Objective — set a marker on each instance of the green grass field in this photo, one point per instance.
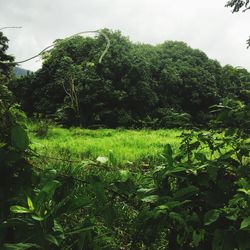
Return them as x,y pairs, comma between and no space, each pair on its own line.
125,146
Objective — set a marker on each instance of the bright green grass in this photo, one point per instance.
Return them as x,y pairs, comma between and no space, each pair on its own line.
125,145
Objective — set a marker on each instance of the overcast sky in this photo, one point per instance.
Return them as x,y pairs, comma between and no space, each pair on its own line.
203,24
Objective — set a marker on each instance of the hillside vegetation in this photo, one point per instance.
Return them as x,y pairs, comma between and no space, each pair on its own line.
64,185
135,85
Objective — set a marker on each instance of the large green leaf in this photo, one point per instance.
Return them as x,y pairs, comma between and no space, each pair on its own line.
19,138
245,223
211,216
19,210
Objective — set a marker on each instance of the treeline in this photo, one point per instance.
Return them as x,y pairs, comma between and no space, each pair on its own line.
135,85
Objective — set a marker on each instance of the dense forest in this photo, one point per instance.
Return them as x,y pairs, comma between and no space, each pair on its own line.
173,173
136,85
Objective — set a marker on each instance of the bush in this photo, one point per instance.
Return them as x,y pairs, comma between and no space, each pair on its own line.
199,198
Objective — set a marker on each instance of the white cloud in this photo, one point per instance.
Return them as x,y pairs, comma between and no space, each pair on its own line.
206,25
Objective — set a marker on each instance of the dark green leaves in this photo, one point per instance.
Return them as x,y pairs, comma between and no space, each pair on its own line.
186,193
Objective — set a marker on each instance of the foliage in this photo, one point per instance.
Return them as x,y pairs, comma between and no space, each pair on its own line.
136,85
195,198
198,200
238,5
41,127
5,69
232,114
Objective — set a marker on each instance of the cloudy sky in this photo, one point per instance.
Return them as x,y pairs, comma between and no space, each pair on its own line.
203,24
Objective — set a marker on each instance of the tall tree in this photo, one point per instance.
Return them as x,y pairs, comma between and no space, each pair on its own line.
5,69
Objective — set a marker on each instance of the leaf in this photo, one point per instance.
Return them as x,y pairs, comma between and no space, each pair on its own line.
20,246
185,193
168,152
247,192
37,218
150,199
19,210
146,190
175,170
19,138
245,223
58,229
211,216
30,204
52,239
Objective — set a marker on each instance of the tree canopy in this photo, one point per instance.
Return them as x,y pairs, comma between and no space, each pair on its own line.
134,84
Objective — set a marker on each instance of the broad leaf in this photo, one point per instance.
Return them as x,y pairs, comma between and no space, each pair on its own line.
245,223
211,216
19,138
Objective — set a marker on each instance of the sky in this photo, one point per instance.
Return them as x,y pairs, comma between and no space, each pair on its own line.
203,24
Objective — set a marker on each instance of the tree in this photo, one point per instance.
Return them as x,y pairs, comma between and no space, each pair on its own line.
5,69
238,5
133,83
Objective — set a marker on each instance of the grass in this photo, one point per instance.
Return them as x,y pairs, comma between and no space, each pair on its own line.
124,146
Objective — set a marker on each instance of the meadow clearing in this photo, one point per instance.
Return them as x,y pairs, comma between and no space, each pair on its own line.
122,145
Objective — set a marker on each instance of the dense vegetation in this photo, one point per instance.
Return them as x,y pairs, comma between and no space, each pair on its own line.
136,85
193,192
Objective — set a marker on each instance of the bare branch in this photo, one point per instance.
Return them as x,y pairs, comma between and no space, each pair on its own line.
11,27
51,46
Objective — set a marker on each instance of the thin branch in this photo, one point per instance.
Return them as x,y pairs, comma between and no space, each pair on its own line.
33,57
11,27
77,34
